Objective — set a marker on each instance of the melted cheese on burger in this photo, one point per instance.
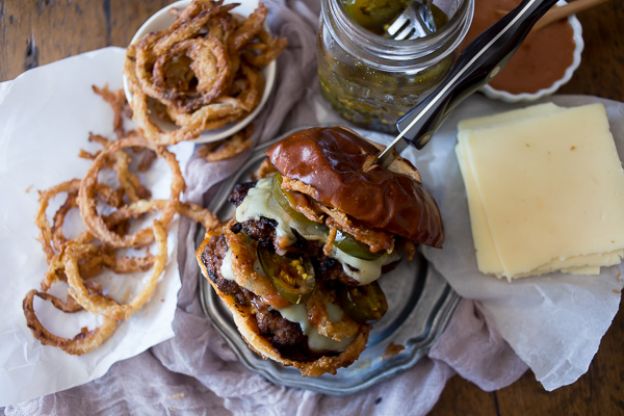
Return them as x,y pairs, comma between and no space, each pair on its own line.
316,342
259,202
226,266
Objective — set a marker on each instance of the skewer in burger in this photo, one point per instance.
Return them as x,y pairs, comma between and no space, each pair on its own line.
298,263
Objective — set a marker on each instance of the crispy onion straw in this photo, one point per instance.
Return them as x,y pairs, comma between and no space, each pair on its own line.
77,260
103,305
85,341
87,204
45,230
117,101
227,148
319,317
198,214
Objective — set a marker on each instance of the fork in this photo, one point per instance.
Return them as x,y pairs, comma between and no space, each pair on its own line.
416,21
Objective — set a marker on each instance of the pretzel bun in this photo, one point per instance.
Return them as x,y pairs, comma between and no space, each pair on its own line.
339,165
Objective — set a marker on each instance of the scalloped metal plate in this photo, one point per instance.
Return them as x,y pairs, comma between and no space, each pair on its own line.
420,305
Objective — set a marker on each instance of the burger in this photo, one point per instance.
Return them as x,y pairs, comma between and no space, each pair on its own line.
298,263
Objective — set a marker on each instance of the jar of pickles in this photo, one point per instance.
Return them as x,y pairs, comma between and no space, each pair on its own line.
371,79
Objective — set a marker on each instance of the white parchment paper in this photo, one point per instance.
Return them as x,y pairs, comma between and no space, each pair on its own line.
45,117
553,322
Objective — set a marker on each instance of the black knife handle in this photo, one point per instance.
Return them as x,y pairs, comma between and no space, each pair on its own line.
476,65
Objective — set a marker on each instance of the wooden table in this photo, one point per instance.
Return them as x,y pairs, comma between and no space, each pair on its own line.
35,32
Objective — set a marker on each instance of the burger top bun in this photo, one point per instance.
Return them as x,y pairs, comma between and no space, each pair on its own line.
339,165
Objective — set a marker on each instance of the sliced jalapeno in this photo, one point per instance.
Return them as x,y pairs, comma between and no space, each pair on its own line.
353,247
373,14
363,303
283,199
306,227
292,277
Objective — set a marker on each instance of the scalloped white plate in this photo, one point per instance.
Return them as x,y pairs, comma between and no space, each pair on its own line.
577,33
162,19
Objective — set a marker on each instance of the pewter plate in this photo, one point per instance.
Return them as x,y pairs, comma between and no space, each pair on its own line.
420,304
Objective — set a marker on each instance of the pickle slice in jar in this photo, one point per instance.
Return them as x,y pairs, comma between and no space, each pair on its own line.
354,248
292,277
363,303
373,15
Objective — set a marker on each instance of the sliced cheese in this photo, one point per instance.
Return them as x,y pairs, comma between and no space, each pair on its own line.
509,117
487,253
545,190
259,202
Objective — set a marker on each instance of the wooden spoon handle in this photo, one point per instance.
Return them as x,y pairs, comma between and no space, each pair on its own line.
557,13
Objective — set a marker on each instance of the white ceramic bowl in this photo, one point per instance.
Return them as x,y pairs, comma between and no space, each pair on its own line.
161,20
577,33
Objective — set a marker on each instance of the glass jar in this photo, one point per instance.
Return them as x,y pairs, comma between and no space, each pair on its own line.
371,80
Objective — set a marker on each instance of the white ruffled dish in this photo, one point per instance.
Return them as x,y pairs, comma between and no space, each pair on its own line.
161,20
577,34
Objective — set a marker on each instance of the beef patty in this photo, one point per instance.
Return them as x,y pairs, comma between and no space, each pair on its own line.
261,230
212,257
239,192
279,330
286,336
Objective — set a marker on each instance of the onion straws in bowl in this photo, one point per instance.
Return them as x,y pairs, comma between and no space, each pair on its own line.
201,73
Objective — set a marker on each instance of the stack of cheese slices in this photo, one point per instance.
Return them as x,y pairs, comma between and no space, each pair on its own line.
545,190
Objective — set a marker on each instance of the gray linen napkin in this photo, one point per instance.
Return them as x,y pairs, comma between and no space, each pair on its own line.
197,373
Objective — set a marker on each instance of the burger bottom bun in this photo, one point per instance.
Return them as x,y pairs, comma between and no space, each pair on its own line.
247,326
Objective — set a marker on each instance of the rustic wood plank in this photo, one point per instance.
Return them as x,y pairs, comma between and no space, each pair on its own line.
37,32
17,52
602,69
127,16
33,33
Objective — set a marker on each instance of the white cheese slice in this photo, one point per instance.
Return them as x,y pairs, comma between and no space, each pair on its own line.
364,271
509,117
259,202
545,192
487,253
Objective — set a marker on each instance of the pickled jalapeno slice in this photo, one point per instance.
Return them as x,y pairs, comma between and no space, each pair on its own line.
363,303
292,277
373,15
353,247
285,199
